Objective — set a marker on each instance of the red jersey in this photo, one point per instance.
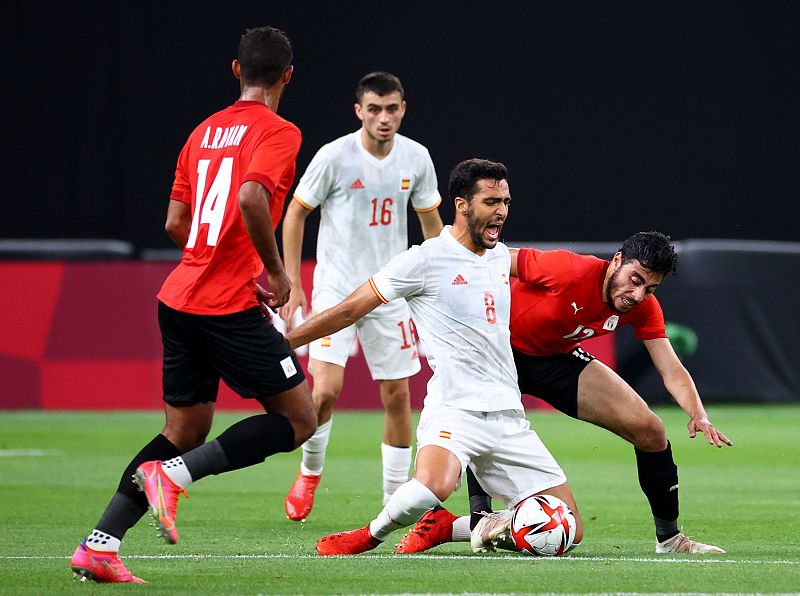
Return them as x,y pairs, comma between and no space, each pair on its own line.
247,141
558,301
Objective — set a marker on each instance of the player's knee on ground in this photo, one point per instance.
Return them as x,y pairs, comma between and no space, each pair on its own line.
578,531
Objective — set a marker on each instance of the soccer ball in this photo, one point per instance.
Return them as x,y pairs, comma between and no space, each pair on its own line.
543,525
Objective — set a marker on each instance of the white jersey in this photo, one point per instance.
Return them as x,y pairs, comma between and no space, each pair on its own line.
460,303
364,206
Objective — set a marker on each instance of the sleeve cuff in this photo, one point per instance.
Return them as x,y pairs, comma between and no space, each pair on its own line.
261,179
427,209
382,288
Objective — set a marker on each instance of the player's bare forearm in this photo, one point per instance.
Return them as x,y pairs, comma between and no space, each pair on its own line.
362,301
293,231
179,222
254,206
431,223
681,387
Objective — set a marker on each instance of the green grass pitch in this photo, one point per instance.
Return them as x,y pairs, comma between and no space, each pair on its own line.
58,470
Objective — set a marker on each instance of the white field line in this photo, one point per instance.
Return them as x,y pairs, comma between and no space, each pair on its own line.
29,452
521,559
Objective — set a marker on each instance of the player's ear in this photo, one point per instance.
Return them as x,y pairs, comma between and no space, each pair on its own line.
462,205
357,108
287,75
236,68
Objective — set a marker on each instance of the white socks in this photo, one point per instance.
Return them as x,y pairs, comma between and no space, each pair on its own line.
461,531
102,542
314,450
406,506
177,471
396,462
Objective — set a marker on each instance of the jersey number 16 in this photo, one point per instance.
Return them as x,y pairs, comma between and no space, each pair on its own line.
384,217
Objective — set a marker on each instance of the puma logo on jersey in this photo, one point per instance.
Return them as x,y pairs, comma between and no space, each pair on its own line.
357,184
460,281
577,308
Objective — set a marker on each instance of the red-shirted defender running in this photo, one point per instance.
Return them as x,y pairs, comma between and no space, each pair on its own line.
230,185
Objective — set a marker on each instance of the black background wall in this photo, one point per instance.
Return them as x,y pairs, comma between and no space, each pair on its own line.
612,116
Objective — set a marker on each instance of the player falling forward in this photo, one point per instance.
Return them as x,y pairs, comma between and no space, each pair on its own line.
362,183
230,184
561,299
457,287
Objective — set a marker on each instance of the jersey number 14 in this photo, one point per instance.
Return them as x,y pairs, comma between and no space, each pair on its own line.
209,208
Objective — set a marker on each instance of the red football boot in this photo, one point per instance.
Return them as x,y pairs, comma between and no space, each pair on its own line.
435,528
103,567
347,543
162,495
300,499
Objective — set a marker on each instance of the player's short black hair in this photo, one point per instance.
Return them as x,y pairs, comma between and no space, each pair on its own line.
653,250
464,177
264,54
380,83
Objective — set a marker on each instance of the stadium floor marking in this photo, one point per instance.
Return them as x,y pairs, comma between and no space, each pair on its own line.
29,452
562,560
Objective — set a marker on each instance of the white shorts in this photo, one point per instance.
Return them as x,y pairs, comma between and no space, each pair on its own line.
506,455
386,335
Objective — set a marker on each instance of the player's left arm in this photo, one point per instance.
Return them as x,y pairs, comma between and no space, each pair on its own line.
254,207
179,222
431,222
681,386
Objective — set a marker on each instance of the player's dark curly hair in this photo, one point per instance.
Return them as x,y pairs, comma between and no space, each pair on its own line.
464,177
264,54
380,83
653,250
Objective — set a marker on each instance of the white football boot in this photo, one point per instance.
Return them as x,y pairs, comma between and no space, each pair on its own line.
680,543
493,531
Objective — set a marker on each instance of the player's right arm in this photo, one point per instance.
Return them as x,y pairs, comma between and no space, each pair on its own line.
361,302
179,222
293,230
179,212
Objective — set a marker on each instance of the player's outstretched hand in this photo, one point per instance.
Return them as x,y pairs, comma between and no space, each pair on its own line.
712,435
297,299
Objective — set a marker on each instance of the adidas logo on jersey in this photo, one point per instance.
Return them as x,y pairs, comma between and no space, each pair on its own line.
460,281
357,184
